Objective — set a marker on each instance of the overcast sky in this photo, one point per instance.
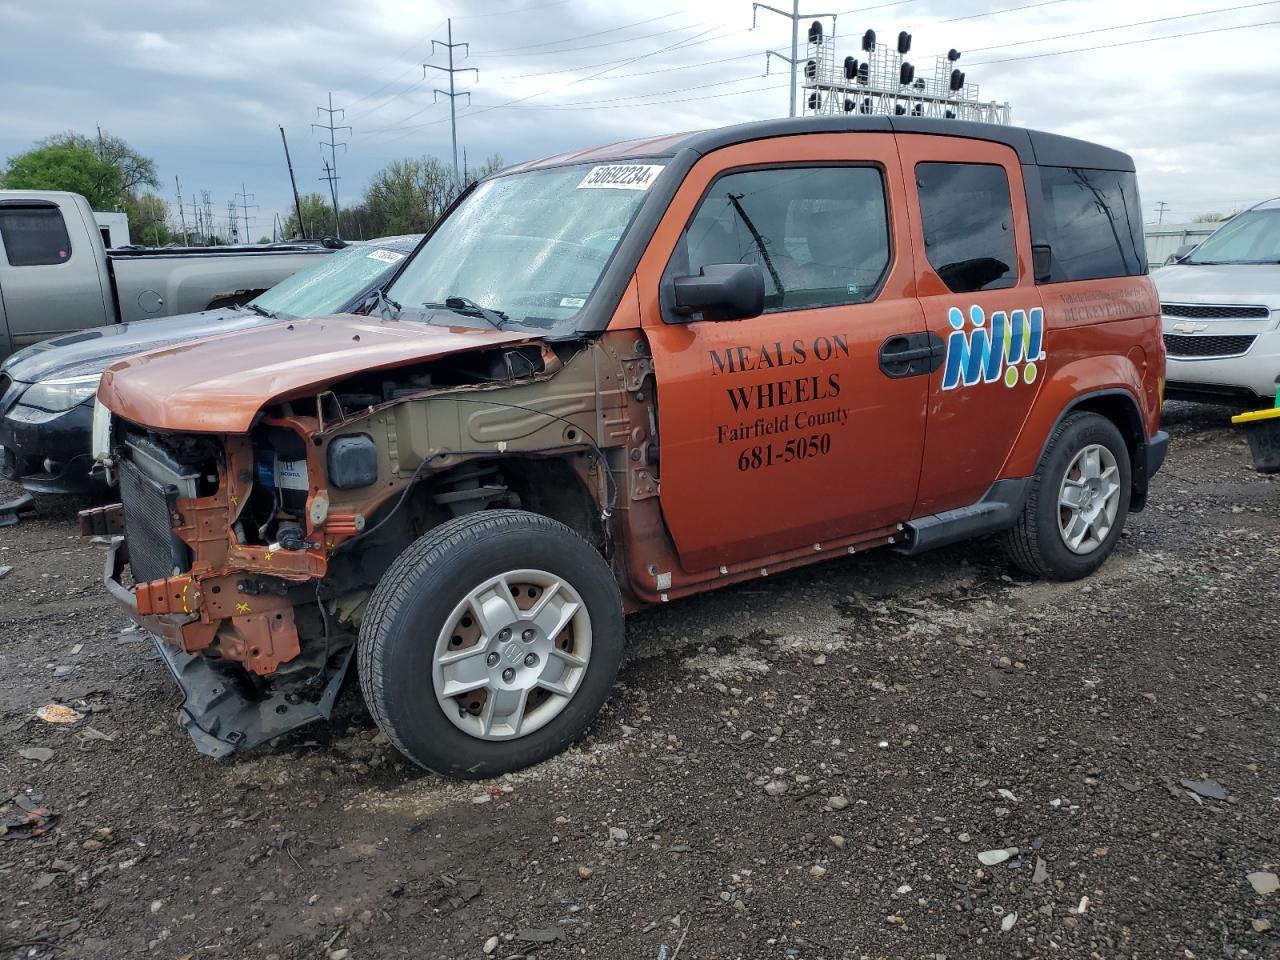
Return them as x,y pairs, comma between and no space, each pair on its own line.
201,86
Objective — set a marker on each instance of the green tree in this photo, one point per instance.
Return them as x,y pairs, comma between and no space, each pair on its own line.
135,169
148,219
66,168
317,218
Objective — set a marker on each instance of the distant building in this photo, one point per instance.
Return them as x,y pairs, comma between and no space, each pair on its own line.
1164,238
114,228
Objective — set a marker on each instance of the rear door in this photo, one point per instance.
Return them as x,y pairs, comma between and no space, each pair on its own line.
783,431
50,270
972,246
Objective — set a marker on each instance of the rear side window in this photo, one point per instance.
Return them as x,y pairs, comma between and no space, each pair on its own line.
819,234
1092,224
34,236
968,225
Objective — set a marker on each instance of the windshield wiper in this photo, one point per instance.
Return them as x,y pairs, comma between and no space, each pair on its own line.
382,302
261,311
469,308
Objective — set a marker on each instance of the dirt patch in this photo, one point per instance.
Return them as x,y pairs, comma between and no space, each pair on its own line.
806,766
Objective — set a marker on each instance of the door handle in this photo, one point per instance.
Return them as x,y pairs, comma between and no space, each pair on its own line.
911,355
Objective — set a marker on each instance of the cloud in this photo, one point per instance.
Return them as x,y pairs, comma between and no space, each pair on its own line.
202,86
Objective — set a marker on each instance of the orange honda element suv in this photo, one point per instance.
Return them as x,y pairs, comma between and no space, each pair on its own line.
619,377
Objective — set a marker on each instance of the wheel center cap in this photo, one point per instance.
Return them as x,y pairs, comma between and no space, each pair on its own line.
512,653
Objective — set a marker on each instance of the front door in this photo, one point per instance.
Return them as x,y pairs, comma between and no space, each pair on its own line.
787,430
972,245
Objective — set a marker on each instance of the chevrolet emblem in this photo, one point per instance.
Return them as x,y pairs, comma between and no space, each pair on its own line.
1185,327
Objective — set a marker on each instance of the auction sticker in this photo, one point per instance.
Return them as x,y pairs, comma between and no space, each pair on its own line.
621,176
386,256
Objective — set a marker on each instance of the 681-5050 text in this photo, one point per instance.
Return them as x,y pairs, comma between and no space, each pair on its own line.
796,448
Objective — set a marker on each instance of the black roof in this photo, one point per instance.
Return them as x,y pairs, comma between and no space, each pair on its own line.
1032,146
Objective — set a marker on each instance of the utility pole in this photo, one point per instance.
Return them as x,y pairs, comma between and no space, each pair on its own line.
451,93
332,176
206,202
795,16
182,214
297,204
245,205
333,145
1161,207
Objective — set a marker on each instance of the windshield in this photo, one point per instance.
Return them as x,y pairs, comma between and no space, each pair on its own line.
329,286
528,248
1251,237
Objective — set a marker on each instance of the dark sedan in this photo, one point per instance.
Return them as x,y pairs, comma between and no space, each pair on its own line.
47,390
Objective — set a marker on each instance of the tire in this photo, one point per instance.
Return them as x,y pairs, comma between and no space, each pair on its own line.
478,576
1037,543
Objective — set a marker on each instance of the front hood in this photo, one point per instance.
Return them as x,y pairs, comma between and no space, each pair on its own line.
1249,284
217,385
92,351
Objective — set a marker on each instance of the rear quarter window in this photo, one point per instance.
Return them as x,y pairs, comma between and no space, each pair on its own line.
34,236
967,218
1092,224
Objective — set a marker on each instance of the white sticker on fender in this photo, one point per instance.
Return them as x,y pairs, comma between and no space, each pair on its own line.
386,256
621,176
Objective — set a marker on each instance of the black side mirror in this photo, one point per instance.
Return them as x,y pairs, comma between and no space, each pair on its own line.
1182,253
721,291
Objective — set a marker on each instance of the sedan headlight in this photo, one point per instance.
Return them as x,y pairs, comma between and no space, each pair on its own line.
61,393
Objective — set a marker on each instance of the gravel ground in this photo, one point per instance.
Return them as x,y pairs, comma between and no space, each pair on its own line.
878,757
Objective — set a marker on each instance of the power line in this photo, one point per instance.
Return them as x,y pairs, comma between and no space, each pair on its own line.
417,43
596,46
1128,43
581,36
331,168
571,83
1124,26
988,13
450,93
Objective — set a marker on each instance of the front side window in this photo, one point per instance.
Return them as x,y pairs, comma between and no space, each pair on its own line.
968,225
328,286
819,234
1250,237
529,248
1093,224
34,236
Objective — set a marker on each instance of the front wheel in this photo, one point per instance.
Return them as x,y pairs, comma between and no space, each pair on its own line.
491,643
1078,501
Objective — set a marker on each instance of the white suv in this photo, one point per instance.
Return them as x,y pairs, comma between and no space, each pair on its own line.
1220,309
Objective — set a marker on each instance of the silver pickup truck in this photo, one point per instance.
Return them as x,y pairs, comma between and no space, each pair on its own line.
56,276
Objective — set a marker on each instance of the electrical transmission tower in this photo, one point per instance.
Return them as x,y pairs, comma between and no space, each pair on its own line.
233,222
206,201
246,201
331,168
182,216
451,93
795,16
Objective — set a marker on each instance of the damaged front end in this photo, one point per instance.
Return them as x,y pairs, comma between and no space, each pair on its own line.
250,555
231,616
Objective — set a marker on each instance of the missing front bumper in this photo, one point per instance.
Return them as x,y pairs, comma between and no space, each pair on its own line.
221,719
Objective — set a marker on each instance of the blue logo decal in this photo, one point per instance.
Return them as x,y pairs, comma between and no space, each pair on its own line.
986,354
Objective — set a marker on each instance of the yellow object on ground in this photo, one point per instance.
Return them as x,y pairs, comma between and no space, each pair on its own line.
1253,416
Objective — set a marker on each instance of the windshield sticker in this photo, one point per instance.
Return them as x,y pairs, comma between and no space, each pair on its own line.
386,256
985,354
572,301
621,176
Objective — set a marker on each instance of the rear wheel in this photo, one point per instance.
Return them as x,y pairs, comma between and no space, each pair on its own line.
1078,502
491,643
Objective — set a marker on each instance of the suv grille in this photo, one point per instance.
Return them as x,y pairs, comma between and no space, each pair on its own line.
1199,311
1179,346
155,552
